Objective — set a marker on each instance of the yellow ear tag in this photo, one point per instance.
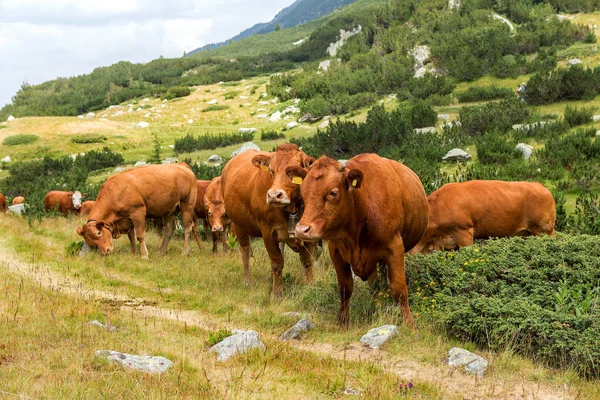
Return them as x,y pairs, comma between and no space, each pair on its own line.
297,180
354,183
264,167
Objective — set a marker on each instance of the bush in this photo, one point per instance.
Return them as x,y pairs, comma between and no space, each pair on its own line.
578,116
271,135
534,296
206,172
316,107
429,85
566,151
189,143
231,95
484,93
497,116
88,138
494,148
215,107
176,91
15,140
422,114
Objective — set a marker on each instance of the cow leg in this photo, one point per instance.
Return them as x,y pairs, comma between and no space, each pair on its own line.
187,214
224,240
306,257
244,240
397,277
131,236
215,241
195,231
168,229
345,286
276,256
139,225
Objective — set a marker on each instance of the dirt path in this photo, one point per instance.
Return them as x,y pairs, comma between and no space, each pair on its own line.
448,380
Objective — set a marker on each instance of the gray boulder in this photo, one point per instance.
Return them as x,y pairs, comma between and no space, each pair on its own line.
246,146
99,324
420,55
473,363
246,130
170,160
214,159
308,118
90,115
291,125
16,209
378,336
526,149
597,133
141,363
324,124
445,117
10,118
239,343
85,249
574,61
298,329
139,164
456,155
275,117
5,159
596,118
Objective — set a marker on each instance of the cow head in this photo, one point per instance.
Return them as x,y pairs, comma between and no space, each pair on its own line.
76,199
425,245
216,214
284,191
328,203
97,234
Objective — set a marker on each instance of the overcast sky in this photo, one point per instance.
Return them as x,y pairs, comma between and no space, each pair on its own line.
44,39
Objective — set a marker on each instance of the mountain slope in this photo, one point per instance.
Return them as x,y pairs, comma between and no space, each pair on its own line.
300,12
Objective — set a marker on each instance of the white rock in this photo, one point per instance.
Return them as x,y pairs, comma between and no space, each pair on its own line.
596,118
172,146
90,115
264,95
597,133
291,125
290,110
324,65
263,103
143,124
240,342
262,116
143,363
130,110
299,42
430,129
164,101
170,160
275,117
99,324
190,121
214,159
297,330
444,117
16,209
378,336
344,36
139,109
505,21
526,149
420,55
146,99
473,363
147,115
80,116
5,159
246,146
244,97
119,169
212,102
139,164
247,130
324,124
453,4
456,154
574,61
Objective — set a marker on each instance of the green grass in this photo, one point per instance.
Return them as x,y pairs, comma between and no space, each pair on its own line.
16,140
215,107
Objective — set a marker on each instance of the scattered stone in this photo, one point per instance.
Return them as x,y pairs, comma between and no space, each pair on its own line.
214,159
139,164
119,169
453,4
212,102
324,124
244,97
238,343
456,154
291,125
262,116
246,146
263,103
85,249
5,159
290,110
324,65
596,118
445,117
247,130
299,42
170,160
16,209
529,126
190,121
473,363
143,124
111,107
73,157
80,116
526,149
90,115
142,363
95,322
574,61
147,115
420,55
130,110
430,129
275,117
139,109
263,95
172,146
378,336
597,133
164,101
561,17
353,392
308,118
344,36
297,330
146,99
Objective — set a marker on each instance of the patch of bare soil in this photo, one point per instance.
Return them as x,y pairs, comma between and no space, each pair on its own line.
449,380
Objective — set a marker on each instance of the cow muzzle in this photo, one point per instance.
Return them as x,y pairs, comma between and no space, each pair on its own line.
306,233
217,228
277,197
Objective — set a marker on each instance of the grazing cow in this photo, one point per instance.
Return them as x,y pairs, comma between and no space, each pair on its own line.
259,201
3,205
86,208
18,200
126,199
63,202
462,212
370,210
216,214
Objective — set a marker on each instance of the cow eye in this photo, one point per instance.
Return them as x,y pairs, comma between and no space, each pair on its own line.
333,194
209,213
271,172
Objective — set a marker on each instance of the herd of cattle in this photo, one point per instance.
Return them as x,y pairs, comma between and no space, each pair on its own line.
369,209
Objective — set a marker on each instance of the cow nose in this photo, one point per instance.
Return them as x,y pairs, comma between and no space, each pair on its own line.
275,195
302,229
217,228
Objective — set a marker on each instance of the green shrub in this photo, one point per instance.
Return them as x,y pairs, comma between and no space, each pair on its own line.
3,126
316,107
74,248
215,107
88,138
484,93
541,130
231,95
430,85
566,151
271,135
218,336
422,114
578,116
206,172
189,143
231,83
176,91
15,140
497,116
494,148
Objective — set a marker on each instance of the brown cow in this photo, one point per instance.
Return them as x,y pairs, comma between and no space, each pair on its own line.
370,210
126,199
199,212
18,200
63,202
86,208
218,220
462,212
259,201
3,204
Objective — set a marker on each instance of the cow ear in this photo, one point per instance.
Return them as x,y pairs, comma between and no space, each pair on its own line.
79,232
99,226
354,178
261,161
296,174
308,161
84,195
70,194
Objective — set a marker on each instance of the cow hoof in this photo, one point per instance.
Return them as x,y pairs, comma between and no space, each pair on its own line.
145,257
